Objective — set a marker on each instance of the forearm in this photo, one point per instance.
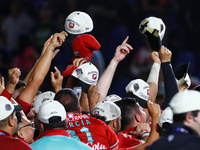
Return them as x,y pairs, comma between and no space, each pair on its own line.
171,87
154,135
42,67
30,72
37,76
10,88
84,102
153,81
106,79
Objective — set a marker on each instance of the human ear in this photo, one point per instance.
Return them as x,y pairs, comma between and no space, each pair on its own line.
137,117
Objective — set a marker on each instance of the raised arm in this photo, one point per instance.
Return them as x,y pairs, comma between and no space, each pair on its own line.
56,80
154,76
171,87
46,44
154,111
107,76
14,75
42,67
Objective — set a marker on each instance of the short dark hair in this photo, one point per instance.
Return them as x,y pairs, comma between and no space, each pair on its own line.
129,108
180,118
69,99
54,124
162,130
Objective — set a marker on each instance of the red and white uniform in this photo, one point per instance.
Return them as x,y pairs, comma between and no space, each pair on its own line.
8,142
127,140
91,131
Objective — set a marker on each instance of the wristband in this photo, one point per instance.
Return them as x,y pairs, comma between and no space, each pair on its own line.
154,74
144,133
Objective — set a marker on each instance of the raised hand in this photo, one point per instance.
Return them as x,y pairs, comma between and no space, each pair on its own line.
56,80
58,39
154,109
46,44
14,75
79,61
154,57
122,50
165,54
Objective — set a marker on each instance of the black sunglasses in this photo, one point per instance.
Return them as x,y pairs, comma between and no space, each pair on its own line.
30,124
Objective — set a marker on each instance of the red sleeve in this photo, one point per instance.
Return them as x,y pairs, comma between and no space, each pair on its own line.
6,94
26,106
128,141
112,138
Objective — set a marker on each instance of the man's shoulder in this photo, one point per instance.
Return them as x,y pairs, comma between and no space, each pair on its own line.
175,140
64,141
16,143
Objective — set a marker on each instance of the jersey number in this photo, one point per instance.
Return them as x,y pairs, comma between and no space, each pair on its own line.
83,129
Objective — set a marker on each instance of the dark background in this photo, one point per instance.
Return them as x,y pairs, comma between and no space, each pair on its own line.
27,24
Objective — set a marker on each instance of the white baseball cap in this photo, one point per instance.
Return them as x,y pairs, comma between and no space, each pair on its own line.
78,23
49,95
51,109
185,101
151,23
87,73
140,90
107,109
181,74
113,98
166,116
7,108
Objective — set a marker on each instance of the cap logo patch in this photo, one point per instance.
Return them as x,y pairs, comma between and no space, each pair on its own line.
148,91
79,71
136,86
94,76
45,99
54,112
8,107
71,25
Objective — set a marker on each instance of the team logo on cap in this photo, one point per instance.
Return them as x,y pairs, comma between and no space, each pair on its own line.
8,107
71,25
136,86
148,91
94,76
79,71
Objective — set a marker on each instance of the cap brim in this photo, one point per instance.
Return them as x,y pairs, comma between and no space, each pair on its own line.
17,107
181,70
154,41
69,70
84,86
143,103
70,38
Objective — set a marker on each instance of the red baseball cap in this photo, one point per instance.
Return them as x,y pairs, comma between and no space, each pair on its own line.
69,70
83,47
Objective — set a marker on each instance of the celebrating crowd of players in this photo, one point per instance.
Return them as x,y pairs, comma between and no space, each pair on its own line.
81,114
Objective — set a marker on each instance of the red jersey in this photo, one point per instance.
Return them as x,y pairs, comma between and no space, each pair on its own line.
91,131
126,140
8,142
